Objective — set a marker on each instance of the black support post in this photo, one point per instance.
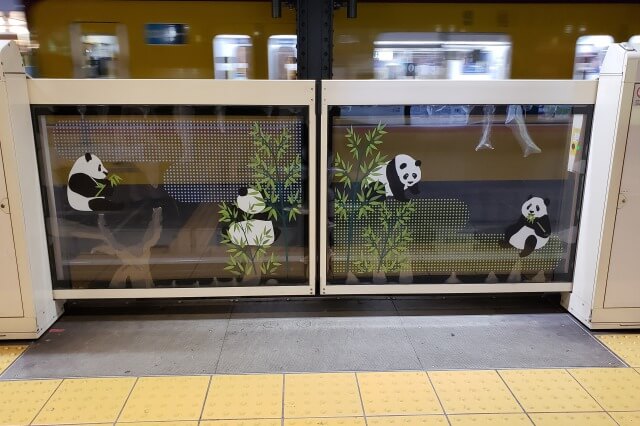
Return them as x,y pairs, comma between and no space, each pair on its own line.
315,39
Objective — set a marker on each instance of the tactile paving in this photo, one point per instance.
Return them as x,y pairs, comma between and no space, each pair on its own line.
21,401
473,392
345,421
158,424
577,419
244,397
254,422
616,389
627,419
626,346
8,354
408,421
86,401
166,398
548,391
390,393
490,419
321,395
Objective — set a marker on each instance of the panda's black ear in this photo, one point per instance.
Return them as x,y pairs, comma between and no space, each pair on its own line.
87,157
418,163
529,197
243,191
547,201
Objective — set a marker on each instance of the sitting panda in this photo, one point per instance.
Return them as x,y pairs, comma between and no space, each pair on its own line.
88,186
402,172
258,229
532,230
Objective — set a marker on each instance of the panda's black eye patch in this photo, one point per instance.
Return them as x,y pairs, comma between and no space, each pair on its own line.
403,165
529,206
538,208
406,175
99,167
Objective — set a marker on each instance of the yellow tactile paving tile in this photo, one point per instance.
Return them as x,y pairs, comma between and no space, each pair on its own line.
158,424
571,419
626,346
548,391
408,421
490,419
8,354
166,399
467,392
345,421
627,419
86,401
616,389
20,401
321,395
390,393
254,422
244,397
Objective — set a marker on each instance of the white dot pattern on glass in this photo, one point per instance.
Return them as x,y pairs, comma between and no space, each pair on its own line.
208,157
442,243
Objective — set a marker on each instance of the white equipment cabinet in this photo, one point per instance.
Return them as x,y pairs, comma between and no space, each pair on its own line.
27,307
606,288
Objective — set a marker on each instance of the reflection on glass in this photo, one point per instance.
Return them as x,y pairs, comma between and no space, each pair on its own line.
438,55
231,57
454,194
165,196
283,57
590,52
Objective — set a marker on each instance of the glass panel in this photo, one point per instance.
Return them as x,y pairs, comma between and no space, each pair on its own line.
454,193
170,196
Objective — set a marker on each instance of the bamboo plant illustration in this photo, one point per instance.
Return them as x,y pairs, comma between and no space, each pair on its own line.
359,195
114,180
279,183
277,176
246,257
385,247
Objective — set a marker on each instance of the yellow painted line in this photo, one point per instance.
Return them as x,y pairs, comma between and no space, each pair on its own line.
399,393
244,397
616,389
159,424
321,395
490,419
166,398
548,391
8,354
408,421
473,392
570,419
20,401
79,401
626,346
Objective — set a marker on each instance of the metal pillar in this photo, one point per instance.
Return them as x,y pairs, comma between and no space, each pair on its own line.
315,39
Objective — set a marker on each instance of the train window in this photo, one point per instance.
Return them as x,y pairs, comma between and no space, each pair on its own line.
458,56
99,50
232,57
590,51
282,57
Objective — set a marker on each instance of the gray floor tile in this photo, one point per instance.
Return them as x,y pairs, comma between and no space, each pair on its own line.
124,346
504,341
316,344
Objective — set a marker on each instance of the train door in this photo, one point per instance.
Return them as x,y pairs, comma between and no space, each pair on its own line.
99,50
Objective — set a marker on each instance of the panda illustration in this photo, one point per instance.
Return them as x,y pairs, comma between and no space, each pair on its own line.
88,186
258,230
402,172
532,230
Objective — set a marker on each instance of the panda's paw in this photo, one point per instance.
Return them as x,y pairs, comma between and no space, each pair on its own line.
504,244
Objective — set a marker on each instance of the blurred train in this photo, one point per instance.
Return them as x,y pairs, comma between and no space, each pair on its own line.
240,39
